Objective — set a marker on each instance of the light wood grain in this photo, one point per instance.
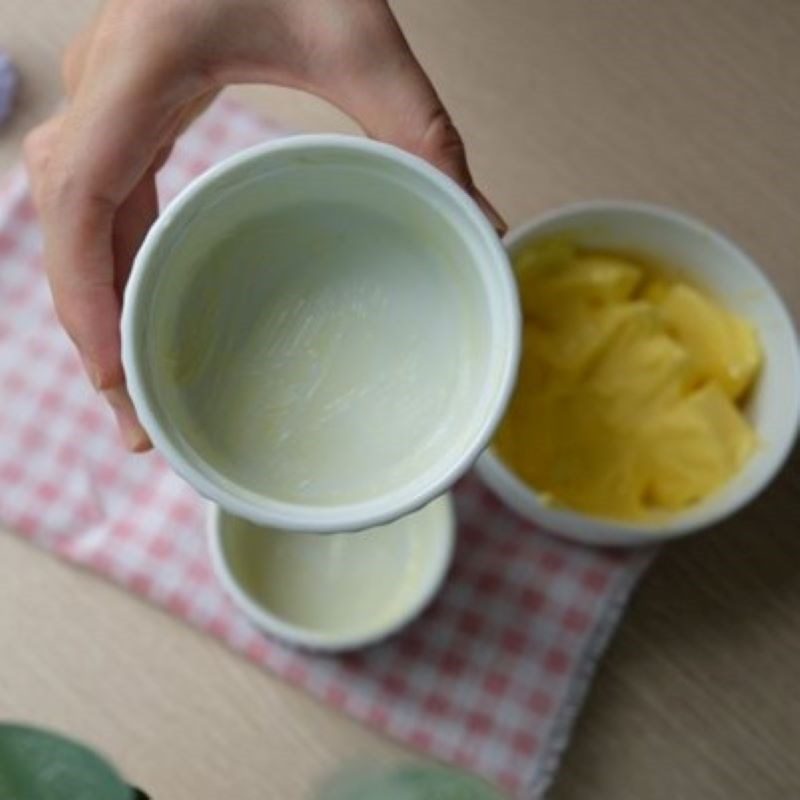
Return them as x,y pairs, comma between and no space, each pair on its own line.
693,103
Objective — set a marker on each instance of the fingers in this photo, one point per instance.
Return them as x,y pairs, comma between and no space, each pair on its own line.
86,291
37,149
192,110
83,302
74,59
77,309
93,180
133,435
492,214
133,219
95,211
394,101
135,80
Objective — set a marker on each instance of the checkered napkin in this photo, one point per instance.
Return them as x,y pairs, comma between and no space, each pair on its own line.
490,678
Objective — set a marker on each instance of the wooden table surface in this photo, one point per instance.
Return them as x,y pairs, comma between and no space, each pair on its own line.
692,103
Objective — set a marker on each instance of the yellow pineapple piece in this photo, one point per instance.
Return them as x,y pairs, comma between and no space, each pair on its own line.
695,447
559,443
641,368
555,251
577,338
593,464
725,347
655,290
626,397
551,287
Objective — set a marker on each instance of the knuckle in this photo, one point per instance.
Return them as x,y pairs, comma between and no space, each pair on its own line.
442,144
56,189
33,148
440,128
38,144
37,158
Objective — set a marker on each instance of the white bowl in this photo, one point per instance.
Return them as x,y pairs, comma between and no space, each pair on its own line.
714,262
321,333
334,592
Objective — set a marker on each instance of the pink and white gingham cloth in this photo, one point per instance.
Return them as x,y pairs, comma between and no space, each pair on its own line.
489,679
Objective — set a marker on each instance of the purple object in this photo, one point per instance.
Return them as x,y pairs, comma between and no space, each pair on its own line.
9,81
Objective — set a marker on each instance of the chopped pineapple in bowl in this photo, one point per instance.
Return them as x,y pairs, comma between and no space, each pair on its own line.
659,386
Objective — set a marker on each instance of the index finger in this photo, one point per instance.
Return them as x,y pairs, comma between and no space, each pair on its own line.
108,141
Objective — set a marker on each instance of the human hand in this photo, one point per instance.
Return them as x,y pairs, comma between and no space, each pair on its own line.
139,75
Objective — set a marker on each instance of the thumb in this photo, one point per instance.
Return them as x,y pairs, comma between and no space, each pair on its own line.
437,140
388,93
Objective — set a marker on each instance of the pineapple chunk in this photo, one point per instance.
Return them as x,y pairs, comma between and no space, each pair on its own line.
641,368
550,287
655,290
560,443
593,462
626,398
554,251
725,346
589,332
695,447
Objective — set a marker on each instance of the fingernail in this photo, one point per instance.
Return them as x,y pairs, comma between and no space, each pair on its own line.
136,439
490,211
133,434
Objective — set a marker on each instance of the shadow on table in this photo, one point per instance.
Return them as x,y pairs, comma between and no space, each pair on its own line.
736,578
698,694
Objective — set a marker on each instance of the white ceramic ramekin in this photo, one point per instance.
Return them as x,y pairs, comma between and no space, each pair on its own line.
715,263
229,331
333,592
